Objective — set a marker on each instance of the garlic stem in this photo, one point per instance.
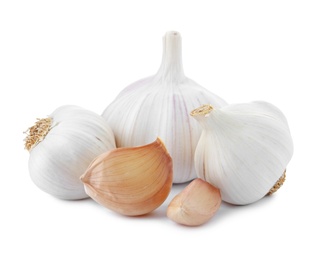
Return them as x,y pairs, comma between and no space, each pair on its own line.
171,69
203,110
201,114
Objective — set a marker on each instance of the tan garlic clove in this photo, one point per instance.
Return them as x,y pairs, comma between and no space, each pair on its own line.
131,181
196,204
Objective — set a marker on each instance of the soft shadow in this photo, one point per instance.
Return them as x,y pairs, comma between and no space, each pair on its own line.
228,210
78,201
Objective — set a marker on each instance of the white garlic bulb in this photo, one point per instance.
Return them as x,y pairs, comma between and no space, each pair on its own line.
159,106
243,150
62,147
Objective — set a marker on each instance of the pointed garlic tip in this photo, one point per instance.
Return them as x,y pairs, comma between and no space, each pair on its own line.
171,69
37,133
196,204
278,184
203,110
131,181
83,178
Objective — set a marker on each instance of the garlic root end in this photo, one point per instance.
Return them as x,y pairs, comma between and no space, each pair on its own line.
278,184
37,133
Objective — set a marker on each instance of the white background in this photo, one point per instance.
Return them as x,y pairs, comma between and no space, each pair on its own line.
84,52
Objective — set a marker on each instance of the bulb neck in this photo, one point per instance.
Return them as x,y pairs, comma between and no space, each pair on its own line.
204,116
171,69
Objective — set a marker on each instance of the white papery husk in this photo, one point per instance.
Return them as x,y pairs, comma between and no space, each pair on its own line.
75,138
159,106
243,150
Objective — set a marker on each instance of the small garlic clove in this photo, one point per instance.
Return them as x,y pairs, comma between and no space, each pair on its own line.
196,204
131,181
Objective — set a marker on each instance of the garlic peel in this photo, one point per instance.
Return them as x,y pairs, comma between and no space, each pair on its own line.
131,181
61,148
243,150
159,106
195,205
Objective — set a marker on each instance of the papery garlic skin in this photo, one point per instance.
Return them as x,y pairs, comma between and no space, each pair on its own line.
195,205
243,149
132,181
76,136
159,106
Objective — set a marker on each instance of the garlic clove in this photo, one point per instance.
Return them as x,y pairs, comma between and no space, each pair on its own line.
131,181
159,106
196,204
62,146
243,150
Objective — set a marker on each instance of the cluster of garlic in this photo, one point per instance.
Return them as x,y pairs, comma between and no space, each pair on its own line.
236,153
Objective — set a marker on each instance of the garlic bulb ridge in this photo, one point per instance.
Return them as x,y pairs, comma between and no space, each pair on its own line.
243,150
159,106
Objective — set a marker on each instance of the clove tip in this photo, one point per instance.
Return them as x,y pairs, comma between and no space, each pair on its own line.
83,178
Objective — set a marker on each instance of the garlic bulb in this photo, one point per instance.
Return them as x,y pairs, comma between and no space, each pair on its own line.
131,181
243,149
61,148
159,106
